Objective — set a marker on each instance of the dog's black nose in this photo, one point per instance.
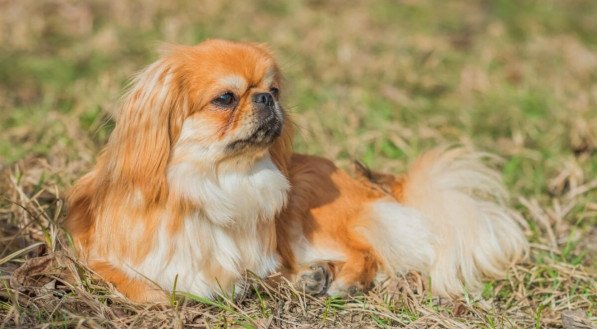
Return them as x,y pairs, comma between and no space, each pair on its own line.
266,98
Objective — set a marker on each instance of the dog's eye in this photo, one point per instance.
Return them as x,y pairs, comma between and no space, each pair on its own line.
225,100
274,91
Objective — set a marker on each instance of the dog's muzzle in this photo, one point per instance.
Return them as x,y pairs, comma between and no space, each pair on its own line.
270,121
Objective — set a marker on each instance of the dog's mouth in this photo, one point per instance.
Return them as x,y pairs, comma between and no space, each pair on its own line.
264,134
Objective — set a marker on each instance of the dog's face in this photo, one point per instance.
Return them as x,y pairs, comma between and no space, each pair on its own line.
233,89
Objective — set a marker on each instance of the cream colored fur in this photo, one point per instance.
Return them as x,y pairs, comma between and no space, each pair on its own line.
458,228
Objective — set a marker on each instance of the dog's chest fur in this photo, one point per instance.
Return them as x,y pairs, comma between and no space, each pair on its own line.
232,229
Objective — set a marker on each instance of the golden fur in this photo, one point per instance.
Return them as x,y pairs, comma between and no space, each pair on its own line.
192,190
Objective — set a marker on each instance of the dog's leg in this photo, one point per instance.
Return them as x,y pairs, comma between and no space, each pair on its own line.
348,269
340,279
354,276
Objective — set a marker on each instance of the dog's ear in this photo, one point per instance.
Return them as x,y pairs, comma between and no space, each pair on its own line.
281,150
147,126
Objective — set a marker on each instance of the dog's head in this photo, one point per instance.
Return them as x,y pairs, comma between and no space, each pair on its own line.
214,103
232,94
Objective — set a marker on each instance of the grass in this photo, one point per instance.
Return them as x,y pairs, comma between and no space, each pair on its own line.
380,81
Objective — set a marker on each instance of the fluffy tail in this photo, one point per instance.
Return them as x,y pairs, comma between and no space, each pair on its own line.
464,230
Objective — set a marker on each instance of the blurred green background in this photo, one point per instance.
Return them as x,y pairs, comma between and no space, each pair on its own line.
372,80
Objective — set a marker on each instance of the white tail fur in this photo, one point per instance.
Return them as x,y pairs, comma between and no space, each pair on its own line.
466,231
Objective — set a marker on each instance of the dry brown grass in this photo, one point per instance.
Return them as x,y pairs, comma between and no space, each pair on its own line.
378,81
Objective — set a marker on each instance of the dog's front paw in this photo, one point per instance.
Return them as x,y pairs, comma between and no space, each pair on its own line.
315,280
339,288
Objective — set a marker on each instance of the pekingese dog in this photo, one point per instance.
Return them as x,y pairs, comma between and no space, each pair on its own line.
198,184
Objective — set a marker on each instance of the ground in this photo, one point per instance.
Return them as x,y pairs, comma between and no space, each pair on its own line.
377,81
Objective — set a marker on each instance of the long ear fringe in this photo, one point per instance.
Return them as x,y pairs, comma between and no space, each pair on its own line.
281,151
136,156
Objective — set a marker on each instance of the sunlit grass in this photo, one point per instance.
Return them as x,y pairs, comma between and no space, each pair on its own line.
377,81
